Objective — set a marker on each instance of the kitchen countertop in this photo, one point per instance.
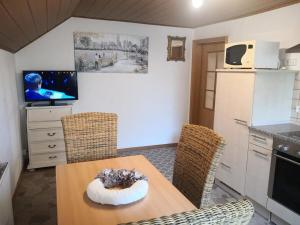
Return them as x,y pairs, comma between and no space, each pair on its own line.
276,129
2,168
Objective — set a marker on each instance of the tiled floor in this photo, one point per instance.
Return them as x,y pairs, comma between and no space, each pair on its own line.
35,198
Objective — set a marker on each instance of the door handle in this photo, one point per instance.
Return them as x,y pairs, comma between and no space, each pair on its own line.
288,160
258,137
223,164
264,155
51,134
52,157
241,122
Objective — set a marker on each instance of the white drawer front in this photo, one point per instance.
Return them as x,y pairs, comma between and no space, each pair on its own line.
47,147
257,175
225,173
48,159
47,114
261,140
39,135
46,124
259,151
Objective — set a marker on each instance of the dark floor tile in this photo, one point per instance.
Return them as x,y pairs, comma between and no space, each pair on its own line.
35,197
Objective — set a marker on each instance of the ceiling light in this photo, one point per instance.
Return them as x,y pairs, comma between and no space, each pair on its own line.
197,3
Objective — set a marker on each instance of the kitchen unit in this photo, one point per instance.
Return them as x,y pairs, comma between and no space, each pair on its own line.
258,167
245,98
278,192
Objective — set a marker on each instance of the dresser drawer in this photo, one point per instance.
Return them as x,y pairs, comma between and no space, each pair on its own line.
261,140
44,124
47,147
47,114
39,135
44,160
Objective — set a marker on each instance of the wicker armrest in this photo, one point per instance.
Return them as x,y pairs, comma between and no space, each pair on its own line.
238,213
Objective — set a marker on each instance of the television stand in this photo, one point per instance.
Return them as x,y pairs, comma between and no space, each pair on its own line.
55,103
45,135
47,104
52,103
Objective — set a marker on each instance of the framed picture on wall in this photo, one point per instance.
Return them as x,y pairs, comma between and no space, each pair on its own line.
110,53
176,48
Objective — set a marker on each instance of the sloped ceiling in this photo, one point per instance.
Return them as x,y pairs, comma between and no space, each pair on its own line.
23,21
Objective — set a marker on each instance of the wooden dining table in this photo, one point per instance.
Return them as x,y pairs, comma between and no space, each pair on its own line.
74,207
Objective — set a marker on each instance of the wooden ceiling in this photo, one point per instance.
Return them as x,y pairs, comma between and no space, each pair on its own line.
23,21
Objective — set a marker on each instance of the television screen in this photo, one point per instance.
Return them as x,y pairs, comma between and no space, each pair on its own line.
50,85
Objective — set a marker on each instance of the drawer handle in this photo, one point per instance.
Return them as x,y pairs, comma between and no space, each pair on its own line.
223,164
51,134
258,137
52,157
260,153
51,146
286,159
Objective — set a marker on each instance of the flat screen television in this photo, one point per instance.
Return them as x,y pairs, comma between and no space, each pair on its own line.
50,86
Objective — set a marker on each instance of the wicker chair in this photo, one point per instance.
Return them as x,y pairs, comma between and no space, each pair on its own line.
197,157
90,136
233,213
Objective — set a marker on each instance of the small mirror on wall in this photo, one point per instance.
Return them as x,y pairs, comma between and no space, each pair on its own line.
176,48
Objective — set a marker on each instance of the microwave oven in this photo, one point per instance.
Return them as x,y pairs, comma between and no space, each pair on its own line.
252,55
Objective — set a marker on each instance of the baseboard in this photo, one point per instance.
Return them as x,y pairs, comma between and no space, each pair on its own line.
278,221
149,147
261,210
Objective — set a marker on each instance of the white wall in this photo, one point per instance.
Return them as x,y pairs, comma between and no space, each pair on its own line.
10,143
278,25
151,107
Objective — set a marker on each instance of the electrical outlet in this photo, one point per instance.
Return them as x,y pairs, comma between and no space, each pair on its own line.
297,108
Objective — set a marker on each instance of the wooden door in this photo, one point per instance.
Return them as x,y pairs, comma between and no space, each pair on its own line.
208,56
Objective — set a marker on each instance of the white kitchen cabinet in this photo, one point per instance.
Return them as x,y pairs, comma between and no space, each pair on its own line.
257,175
232,113
261,140
245,98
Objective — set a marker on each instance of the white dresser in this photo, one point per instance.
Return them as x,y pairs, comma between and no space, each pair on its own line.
45,135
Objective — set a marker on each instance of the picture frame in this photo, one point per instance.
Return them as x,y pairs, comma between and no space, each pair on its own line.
176,48
110,53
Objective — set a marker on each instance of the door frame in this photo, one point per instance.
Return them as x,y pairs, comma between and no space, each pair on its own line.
196,74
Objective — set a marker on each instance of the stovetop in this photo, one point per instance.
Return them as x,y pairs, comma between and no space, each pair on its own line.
286,138
292,134
287,146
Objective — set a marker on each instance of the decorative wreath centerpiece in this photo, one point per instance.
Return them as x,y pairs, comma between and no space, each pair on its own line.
118,187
